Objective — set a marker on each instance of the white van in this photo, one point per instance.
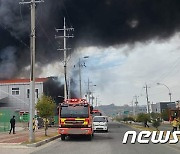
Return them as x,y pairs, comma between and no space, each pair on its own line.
100,123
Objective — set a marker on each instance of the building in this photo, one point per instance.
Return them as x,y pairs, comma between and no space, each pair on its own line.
161,106
15,93
153,108
141,109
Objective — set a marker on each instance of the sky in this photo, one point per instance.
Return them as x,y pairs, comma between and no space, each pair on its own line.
121,72
120,76
130,43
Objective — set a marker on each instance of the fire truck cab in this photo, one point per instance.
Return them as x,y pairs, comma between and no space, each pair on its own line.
75,118
96,112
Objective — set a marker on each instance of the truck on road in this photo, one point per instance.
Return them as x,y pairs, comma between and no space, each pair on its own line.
75,118
96,112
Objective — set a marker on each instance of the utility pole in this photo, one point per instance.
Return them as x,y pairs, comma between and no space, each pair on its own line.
80,91
65,54
92,99
88,90
69,87
96,101
32,74
132,108
147,98
80,65
136,103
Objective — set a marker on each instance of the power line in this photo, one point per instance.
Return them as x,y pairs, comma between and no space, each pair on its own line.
45,34
66,12
19,40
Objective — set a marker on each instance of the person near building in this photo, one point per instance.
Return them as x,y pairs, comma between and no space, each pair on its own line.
12,123
178,119
174,124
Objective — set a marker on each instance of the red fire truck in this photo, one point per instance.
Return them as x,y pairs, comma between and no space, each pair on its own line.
75,118
96,112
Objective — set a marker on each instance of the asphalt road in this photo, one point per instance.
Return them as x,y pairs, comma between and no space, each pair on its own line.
105,143
102,143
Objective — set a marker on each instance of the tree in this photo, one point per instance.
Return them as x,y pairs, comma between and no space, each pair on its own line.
156,123
142,117
128,119
155,115
45,107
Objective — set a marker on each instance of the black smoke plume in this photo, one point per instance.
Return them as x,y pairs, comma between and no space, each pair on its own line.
52,87
96,22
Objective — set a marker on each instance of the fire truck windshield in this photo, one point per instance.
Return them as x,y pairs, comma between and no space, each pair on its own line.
74,112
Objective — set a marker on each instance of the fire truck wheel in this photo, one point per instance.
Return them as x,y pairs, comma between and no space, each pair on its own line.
89,137
63,137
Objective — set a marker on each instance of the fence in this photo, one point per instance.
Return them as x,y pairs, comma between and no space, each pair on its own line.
5,116
4,120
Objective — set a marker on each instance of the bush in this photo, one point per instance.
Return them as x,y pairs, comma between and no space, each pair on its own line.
164,115
142,117
118,119
156,124
155,115
128,119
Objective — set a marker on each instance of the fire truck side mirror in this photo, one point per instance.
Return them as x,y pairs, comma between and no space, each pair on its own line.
91,109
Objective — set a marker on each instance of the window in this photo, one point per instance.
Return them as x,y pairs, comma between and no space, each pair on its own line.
15,91
36,93
28,92
74,111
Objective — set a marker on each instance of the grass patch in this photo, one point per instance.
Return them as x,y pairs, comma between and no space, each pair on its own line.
41,138
143,128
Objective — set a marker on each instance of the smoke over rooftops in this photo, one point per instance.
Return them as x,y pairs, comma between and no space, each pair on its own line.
96,22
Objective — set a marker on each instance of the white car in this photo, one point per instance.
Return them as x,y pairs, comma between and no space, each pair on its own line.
100,123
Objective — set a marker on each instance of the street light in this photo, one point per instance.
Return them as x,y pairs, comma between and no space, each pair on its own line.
168,90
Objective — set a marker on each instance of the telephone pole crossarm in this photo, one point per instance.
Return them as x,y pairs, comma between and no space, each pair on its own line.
30,2
68,36
63,49
67,29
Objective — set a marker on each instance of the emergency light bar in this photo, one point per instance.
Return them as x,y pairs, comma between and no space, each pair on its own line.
75,100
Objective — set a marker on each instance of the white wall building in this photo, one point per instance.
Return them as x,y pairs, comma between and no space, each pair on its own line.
15,93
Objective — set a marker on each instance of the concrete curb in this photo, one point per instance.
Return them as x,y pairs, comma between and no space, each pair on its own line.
20,145
43,142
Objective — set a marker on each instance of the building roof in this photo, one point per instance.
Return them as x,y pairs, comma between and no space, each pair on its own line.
11,81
